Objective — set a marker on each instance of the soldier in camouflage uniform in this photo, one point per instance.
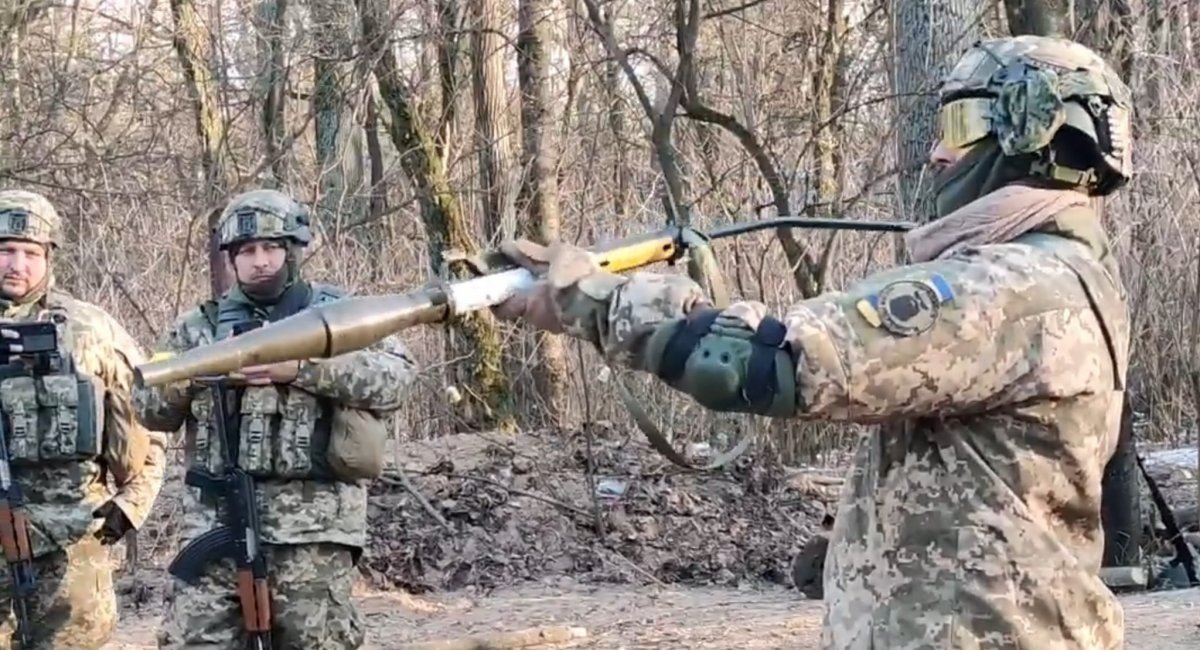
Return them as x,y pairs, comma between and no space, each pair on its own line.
67,432
996,360
313,519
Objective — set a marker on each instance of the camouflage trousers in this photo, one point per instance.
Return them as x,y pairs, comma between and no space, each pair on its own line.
311,607
74,606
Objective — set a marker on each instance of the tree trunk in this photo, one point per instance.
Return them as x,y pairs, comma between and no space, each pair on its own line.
193,47
338,142
273,86
1040,17
1121,499
928,37
445,226
494,135
538,197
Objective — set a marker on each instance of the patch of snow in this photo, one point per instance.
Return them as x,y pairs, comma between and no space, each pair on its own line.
1179,457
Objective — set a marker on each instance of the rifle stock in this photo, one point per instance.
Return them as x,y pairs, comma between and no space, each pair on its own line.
357,322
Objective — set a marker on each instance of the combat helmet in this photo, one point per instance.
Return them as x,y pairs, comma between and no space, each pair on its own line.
1029,91
264,214
30,217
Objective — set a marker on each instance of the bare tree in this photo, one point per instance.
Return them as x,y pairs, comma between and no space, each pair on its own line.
192,45
495,136
270,26
538,197
1041,17
928,37
445,223
684,94
337,136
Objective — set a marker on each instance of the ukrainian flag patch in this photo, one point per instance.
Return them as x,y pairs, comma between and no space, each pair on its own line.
907,307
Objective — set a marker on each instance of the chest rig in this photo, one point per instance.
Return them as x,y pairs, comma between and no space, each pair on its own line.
53,412
274,432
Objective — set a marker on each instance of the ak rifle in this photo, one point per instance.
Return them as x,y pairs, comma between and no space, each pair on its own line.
239,538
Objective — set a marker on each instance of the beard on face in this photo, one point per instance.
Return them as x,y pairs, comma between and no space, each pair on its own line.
266,286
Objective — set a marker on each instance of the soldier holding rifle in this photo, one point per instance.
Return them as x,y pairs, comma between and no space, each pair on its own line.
66,427
278,453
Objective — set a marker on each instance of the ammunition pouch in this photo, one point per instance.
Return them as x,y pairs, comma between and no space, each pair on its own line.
53,418
357,443
747,372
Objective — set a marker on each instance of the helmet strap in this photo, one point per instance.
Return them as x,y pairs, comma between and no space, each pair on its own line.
1046,166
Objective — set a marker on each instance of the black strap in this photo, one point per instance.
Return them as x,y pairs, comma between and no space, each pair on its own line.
760,382
685,339
1183,552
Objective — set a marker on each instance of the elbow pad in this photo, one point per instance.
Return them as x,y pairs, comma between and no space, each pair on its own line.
726,369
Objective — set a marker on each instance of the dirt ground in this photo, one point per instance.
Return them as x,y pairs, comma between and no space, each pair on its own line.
475,534
626,617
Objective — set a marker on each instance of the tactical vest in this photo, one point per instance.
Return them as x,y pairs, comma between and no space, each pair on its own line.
56,412
282,433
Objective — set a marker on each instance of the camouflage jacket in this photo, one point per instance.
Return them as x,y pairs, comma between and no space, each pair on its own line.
63,496
290,511
972,518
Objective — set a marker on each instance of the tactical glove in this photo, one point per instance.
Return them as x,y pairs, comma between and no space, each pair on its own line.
563,266
116,524
731,360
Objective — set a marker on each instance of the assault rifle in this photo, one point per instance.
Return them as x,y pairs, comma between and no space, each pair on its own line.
240,536
355,323
33,352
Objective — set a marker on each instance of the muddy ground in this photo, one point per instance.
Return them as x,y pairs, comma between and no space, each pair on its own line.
485,534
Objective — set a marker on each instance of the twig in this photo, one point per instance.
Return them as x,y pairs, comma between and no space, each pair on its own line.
120,282
537,497
633,565
401,477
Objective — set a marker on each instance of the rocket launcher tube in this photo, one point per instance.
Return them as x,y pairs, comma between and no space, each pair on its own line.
357,322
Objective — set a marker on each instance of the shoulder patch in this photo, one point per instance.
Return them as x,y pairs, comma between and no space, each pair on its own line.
907,307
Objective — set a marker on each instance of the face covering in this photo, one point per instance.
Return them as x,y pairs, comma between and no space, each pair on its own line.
983,170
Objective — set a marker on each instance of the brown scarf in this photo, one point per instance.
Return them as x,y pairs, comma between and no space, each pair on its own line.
999,216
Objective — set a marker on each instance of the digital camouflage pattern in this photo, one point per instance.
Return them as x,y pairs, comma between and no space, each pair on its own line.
1023,89
312,530
975,523
76,604
62,497
264,214
311,587
29,216
299,511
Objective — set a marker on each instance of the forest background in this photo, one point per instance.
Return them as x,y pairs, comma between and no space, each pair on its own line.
414,128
